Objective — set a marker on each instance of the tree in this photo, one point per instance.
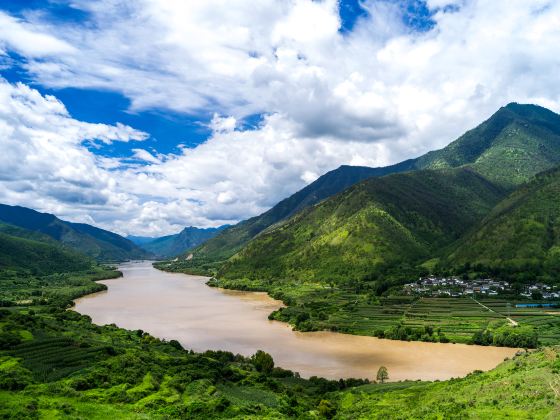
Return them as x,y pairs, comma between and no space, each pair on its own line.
382,374
263,361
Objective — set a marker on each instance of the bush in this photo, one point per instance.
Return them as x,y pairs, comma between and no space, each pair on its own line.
262,361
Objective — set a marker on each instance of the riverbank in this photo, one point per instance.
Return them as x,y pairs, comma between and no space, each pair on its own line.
182,307
66,367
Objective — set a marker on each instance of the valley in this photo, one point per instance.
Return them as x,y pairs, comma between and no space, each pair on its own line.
202,318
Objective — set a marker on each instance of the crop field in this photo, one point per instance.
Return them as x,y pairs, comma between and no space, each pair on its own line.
545,320
52,358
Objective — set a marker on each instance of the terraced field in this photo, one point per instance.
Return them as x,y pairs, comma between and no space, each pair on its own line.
545,320
52,358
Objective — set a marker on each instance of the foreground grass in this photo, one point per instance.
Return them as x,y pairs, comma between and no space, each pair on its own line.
526,387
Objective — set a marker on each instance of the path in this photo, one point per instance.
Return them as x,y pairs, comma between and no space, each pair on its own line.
511,321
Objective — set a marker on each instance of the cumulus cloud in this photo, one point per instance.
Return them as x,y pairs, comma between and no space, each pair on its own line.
378,94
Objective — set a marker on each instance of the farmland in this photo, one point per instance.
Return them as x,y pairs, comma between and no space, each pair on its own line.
312,306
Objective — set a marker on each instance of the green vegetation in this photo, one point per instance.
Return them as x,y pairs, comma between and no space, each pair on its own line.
378,224
97,243
520,238
526,387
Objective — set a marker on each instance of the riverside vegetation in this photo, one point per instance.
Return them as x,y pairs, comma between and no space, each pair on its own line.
55,363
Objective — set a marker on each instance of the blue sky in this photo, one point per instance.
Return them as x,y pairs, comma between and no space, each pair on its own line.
144,117
167,129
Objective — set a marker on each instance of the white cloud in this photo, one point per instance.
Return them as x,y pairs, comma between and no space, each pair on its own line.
374,96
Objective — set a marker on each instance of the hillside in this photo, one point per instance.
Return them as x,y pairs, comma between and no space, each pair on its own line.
94,242
513,145
172,245
235,237
378,223
521,235
509,148
38,258
522,388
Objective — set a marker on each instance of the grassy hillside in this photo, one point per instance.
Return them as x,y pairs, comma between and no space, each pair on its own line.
172,245
509,148
232,239
380,222
94,242
38,257
526,387
521,236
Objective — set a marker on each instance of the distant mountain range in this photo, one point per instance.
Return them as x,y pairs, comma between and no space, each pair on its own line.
94,242
172,245
507,150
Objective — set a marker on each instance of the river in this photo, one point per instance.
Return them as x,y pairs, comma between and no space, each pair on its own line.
182,307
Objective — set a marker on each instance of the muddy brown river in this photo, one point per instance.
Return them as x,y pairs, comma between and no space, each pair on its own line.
182,307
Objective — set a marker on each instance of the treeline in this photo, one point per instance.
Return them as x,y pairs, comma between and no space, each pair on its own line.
507,336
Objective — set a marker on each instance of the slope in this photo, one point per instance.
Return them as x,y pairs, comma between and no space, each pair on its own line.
38,258
513,145
94,242
379,223
521,235
172,245
509,148
235,237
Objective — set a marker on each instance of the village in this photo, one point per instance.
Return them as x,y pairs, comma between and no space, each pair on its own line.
456,287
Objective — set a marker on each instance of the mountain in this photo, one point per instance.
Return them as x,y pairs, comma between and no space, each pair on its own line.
233,238
513,145
509,148
38,258
521,234
94,242
172,245
378,223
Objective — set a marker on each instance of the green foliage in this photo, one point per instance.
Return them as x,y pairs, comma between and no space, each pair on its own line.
369,229
382,374
520,239
263,361
507,336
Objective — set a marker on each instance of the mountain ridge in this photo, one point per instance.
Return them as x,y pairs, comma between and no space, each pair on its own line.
95,242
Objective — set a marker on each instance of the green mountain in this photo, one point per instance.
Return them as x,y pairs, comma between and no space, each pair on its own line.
235,237
378,223
522,234
94,242
509,148
38,258
172,245
513,145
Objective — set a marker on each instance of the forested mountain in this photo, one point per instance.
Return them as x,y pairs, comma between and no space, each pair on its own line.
235,237
172,245
509,148
380,222
513,145
94,242
521,235
38,258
